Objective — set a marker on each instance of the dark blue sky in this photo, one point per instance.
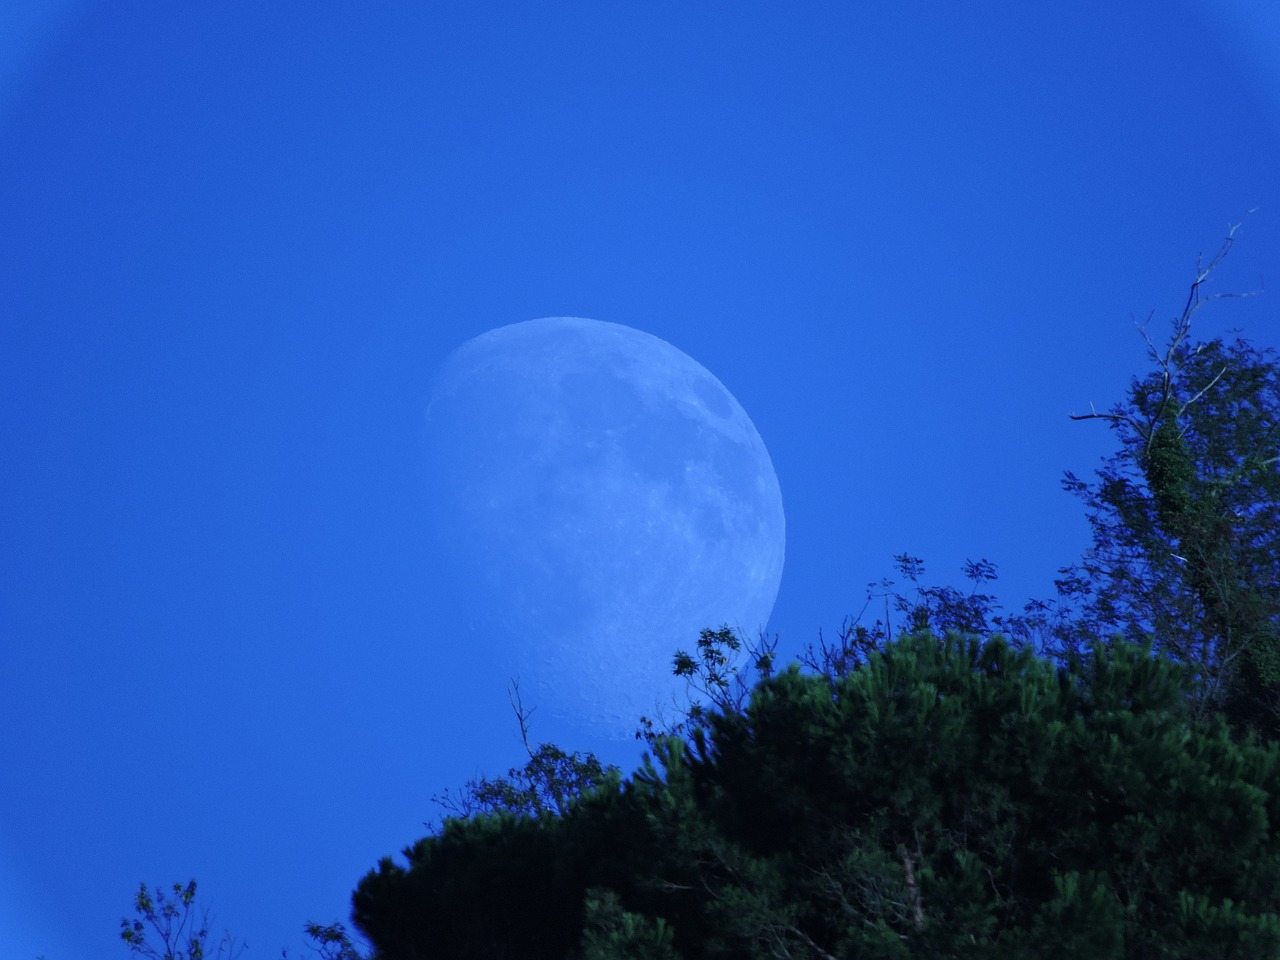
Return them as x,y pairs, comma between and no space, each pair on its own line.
238,239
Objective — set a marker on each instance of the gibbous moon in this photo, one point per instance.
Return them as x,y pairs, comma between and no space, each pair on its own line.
598,498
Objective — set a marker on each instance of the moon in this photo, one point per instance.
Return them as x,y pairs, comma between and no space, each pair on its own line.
598,498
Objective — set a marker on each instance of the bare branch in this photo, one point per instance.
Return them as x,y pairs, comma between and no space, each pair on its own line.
1167,359
522,715
917,911
1114,417
792,928
1207,388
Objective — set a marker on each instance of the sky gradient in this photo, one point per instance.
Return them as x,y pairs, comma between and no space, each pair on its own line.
238,240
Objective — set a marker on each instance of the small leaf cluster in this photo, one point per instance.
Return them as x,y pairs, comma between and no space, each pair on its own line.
183,934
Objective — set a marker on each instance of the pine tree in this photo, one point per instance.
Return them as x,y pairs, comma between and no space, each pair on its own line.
944,797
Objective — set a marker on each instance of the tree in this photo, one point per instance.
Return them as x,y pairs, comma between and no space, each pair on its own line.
914,606
944,797
184,931
716,678
611,933
1185,518
951,791
184,934
547,783
330,942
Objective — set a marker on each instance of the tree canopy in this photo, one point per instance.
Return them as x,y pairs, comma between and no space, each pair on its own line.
946,797
1185,515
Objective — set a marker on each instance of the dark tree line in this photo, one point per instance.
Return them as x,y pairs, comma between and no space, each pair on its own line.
946,797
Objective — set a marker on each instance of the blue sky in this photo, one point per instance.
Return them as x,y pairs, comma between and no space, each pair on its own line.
239,239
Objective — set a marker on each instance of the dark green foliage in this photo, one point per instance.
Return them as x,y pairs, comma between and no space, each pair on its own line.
944,798
477,889
959,786
611,932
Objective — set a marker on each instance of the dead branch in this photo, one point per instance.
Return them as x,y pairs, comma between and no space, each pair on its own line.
522,715
1168,358
792,928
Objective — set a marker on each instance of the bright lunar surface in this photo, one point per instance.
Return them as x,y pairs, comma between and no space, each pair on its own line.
601,498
